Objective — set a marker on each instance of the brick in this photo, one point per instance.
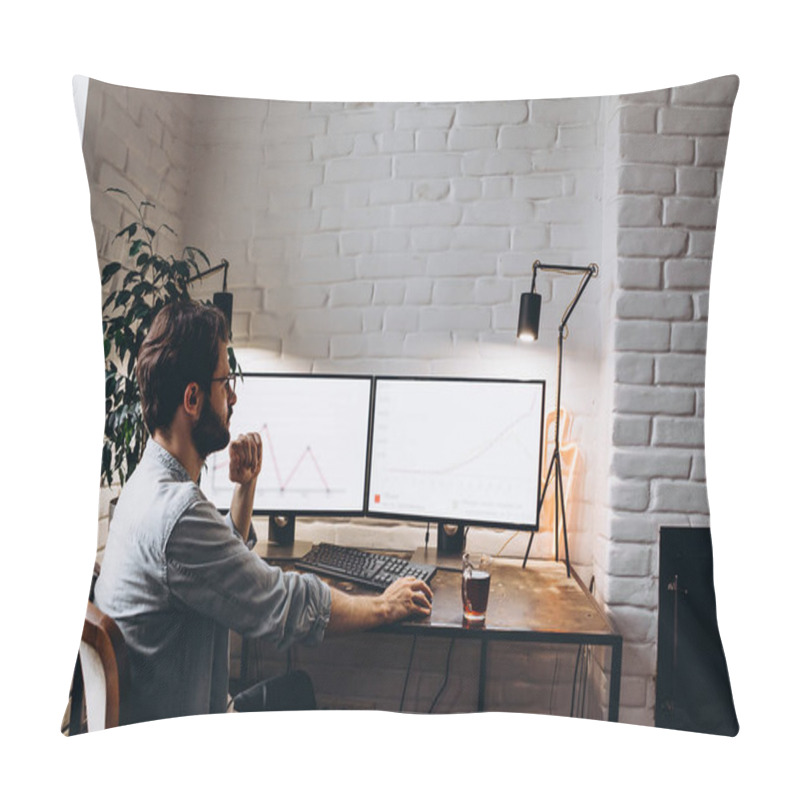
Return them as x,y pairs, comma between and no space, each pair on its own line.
653,242
391,240
630,430
682,432
697,181
351,294
432,189
403,318
633,368
491,112
629,495
538,187
415,117
701,244
390,191
496,162
637,119
693,212
376,119
698,121
455,263
718,91
454,319
428,165
654,400
711,151
463,139
685,496
490,291
635,624
326,320
389,293
684,369
454,292
419,291
639,273
391,265
479,237
528,137
633,528
656,149
359,169
353,243
636,211
650,462
395,141
689,337
698,472
646,178
654,305
650,336
565,110
342,218
430,141
687,273
498,212
631,591
431,214
577,135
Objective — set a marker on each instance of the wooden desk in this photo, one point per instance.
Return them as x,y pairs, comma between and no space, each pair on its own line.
536,604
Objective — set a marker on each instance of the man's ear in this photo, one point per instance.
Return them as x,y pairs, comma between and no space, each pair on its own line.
192,399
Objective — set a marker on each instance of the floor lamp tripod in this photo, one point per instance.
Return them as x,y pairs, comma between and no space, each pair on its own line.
530,307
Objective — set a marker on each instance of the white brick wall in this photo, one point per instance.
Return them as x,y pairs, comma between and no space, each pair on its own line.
671,147
397,238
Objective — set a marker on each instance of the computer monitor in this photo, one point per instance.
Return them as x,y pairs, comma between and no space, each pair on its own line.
315,435
457,450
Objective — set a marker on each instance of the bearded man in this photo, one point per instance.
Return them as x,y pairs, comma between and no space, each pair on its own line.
177,576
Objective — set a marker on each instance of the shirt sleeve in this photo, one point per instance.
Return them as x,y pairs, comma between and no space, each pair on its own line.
211,570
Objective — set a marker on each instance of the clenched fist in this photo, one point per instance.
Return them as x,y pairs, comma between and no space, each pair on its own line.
245,458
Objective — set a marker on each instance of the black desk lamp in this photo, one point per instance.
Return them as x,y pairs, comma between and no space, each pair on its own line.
530,308
222,300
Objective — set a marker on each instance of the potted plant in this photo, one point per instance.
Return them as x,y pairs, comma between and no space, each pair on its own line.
144,284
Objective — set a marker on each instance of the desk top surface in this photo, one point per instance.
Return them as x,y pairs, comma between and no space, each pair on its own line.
537,602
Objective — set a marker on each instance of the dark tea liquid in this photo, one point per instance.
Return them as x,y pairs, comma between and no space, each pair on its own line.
476,593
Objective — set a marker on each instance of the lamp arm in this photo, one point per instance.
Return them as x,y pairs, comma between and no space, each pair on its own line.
210,271
588,272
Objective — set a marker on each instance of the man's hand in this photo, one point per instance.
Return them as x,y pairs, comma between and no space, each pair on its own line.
245,458
407,597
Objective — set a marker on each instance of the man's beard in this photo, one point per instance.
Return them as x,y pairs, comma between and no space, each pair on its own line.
210,433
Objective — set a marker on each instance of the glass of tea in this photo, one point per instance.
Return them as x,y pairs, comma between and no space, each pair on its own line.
475,578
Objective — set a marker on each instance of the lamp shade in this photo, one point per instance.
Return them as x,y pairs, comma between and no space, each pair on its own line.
224,302
530,309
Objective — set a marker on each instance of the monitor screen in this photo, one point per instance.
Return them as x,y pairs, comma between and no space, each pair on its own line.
314,431
457,450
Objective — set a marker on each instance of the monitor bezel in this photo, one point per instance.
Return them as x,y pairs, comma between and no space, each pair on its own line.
343,513
478,523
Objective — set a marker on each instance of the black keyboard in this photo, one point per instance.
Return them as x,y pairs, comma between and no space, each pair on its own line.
374,570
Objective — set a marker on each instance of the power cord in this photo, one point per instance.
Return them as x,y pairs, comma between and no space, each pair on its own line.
408,672
446,677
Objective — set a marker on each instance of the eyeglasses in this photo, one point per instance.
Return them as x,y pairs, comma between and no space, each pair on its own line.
230,381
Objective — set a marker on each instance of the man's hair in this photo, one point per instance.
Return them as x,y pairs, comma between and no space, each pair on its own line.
181,347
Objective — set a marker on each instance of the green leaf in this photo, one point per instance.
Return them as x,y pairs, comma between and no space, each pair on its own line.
130,230
136,247
110,270
122,298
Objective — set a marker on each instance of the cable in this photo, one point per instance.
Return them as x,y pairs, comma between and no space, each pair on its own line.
408,672
446,677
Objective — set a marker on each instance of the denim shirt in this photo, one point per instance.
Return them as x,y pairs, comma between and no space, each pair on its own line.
176,577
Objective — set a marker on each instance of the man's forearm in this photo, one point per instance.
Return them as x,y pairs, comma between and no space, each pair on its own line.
242,507
351,613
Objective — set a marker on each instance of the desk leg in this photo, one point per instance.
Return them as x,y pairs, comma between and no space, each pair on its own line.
616,677
482,677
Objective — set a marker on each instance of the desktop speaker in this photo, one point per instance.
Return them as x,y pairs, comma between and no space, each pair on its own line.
281,530
450,538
